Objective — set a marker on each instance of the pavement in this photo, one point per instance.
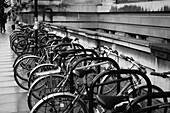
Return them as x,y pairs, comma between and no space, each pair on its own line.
12,97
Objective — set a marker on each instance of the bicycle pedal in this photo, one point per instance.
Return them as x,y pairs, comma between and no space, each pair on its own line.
120,107
28,74
51,110
85,97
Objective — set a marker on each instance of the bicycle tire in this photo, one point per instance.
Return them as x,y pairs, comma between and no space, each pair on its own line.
54,42
142,100
118,73
71,57
26,64
48,102
100,61
141,90
44,86
131,90
21,83
19,57
114,88
14,36
19,44
39,68
21,47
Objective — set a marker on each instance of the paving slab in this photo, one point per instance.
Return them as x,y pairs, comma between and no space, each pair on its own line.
9,73
6,78
12,97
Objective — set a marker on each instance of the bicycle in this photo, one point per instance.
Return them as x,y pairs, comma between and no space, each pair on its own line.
71,75
23,42
137,88
134,92
81,97
137,81
159,105
77,54
80,74
29,62
60,57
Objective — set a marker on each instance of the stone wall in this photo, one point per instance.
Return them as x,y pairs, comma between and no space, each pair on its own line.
145,58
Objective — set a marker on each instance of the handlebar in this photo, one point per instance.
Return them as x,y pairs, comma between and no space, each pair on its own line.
161,74
108,50
69,39
141,67
127,58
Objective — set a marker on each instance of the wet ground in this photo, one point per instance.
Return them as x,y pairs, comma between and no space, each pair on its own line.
12,97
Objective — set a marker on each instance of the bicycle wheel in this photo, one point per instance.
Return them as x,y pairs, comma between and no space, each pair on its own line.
19,57
74,55
124,86
59,48
157,106
44,86
20,47
142,90
25,65
109,89
91,66
120,77
14,39
39,68
60,102
21,83
54,42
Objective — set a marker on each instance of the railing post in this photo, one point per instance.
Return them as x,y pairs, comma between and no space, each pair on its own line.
51,14
36,21
98,46
44,12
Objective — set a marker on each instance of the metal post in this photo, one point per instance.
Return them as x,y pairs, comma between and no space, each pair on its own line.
1,11
2,6
36,21
36,9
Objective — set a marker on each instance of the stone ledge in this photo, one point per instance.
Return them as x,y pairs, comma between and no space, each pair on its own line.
160,50
141,45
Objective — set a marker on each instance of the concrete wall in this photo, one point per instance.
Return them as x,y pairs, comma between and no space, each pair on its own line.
155,25
149,25
145,58
154,5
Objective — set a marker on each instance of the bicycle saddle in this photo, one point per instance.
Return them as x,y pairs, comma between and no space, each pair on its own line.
109,102
78,51
66,53
82,72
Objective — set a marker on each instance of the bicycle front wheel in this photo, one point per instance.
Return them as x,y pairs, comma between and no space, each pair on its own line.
25,65
60,103
39,68
44,86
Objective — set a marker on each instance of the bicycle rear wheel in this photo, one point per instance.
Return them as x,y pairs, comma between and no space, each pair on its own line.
143,100
158,107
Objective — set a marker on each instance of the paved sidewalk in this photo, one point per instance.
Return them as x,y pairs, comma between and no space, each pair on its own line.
12,97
